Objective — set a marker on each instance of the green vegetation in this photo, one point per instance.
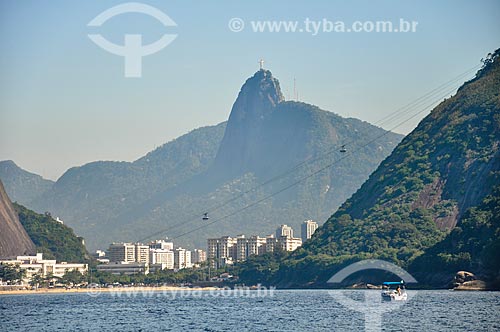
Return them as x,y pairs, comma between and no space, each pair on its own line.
260,268
73,278
11,273
184,276
473,245
53,239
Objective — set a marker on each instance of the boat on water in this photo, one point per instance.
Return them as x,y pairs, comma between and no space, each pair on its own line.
394,291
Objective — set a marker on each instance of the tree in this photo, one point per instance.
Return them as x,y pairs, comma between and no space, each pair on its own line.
72,277
36,280
11,273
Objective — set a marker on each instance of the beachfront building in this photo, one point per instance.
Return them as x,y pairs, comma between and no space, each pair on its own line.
124,268
162,256
121,252
36,265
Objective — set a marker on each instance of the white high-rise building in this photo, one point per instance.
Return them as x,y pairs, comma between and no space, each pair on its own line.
182,258
271,243
226,250
141,253
256,245
162,256
284,230
121,252
308,228
222,251
289,243
161,244
241,248
198,256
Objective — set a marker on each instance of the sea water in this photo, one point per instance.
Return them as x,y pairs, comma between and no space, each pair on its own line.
280,310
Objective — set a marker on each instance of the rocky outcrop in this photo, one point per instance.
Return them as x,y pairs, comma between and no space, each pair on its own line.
256,101
14,240
464,280
474,285
463,276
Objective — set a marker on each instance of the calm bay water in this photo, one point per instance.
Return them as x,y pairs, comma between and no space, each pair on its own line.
286,310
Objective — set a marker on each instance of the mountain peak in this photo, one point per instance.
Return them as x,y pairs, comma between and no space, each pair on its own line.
258,96
256,102
262,126
8,163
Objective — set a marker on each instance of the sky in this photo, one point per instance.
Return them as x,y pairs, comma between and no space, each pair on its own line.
65,101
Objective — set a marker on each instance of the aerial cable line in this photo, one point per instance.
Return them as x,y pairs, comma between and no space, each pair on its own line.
430,93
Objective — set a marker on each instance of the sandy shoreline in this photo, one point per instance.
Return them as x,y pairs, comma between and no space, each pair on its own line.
94,291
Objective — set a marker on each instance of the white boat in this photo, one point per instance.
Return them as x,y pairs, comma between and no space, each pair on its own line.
394,291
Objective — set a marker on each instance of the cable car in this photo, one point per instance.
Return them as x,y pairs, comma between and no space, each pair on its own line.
343,149
205,216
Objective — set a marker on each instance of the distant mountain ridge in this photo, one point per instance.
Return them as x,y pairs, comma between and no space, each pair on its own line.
21,185
264,137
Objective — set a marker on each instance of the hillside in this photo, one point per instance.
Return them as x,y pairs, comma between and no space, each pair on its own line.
21,185
172,186
14,241
473,245
53,239
427,187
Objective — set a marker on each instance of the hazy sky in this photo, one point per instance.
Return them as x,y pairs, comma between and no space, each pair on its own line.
65,102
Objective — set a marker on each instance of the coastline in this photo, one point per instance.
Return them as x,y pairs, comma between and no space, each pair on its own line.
96,291
179,289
